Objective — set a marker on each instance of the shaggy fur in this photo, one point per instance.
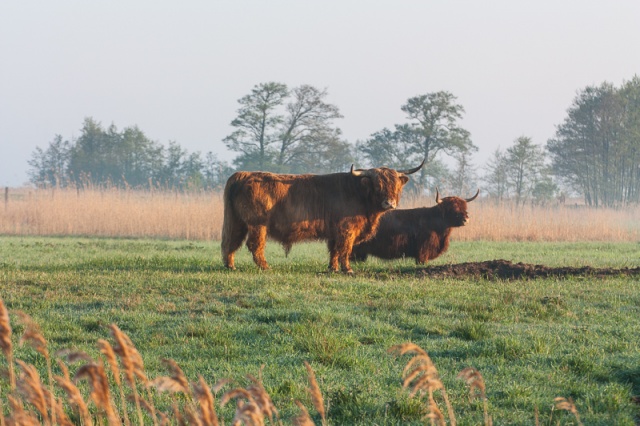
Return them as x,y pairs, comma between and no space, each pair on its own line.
421,233
341,208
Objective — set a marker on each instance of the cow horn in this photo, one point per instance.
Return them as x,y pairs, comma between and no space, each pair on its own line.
356,172
468,200
415,169
438,200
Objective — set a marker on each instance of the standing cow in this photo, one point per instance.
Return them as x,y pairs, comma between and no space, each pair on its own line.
421,233
342,208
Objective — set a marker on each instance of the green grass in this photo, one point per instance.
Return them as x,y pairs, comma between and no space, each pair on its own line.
532,340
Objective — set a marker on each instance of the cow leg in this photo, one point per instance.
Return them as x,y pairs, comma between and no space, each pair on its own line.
232,237
345,246
256,242
333,255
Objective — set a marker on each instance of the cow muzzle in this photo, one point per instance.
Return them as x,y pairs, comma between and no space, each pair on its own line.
388,204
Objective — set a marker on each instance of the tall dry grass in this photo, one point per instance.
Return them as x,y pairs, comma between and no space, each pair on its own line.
198,216
113,213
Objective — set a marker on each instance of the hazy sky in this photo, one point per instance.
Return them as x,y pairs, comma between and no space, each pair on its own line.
177,69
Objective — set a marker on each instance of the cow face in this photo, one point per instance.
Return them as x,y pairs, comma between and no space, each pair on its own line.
384,187
454,209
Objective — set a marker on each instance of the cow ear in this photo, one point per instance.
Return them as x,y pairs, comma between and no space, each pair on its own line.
404,179
366,183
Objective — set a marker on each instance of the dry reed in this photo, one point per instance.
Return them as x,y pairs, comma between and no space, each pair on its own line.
568,405
420,375
198,216
316,394
253,404
6,344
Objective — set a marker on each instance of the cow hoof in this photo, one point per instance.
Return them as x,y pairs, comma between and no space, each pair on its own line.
348,271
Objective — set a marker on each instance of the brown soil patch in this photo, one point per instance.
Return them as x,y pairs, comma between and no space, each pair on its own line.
506,270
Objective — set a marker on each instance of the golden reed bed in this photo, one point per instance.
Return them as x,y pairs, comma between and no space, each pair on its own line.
198,216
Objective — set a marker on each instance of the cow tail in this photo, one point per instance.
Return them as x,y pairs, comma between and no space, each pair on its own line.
233,229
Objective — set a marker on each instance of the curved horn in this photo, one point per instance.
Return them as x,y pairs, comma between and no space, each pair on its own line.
415,169
356,172
468,200
438,200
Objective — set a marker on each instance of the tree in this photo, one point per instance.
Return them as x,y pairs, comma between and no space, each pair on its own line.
257,125
524,162
49,167
464,176
396,149
435,121
390,148
125,159
323,152
111,157
495,178
215,171
308,121
275,136
596,150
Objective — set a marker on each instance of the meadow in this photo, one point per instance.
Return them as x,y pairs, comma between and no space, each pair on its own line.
532,340
149,262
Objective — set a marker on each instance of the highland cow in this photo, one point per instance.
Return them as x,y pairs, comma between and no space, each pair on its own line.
341,208
421,233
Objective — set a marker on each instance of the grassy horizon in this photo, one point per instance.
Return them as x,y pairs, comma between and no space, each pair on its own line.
532,340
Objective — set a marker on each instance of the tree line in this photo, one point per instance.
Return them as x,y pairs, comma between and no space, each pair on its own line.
595,151
123,158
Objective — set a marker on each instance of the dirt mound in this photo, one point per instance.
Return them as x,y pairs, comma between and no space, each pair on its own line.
506,270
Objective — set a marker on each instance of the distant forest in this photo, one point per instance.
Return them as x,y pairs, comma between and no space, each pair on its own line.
595,152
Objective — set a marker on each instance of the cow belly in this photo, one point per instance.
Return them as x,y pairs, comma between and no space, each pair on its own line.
297,231
395,247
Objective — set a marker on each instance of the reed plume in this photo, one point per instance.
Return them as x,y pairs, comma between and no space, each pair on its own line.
206,400
247,410
131,362
568,405
177,382
303,418
316,394
262,398
97,378
73,394
5,342
151,409
33,336
19,416
32,391
420,375
107,350
474,380
61,417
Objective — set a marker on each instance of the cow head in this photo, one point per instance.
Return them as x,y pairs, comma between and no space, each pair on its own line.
383,186
454,209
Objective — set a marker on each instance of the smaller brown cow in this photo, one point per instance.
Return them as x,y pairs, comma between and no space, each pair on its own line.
421,233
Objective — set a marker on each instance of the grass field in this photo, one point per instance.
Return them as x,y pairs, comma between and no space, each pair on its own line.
531,340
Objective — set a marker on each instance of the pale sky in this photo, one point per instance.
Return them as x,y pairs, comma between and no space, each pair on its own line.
177,69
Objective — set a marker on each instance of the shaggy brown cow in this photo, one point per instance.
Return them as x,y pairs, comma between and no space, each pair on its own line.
421,233
342,208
